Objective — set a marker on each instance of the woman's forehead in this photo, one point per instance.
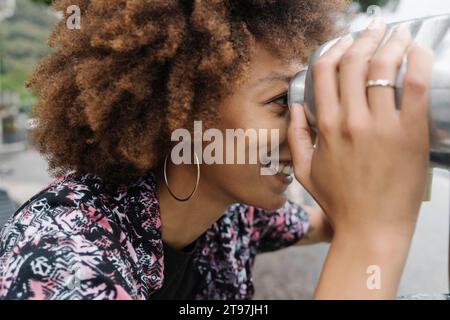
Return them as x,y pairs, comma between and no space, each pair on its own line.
264,72
265,62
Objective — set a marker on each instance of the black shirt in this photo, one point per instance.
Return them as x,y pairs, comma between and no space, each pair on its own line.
180,275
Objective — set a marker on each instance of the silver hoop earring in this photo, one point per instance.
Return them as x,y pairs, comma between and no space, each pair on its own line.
196,183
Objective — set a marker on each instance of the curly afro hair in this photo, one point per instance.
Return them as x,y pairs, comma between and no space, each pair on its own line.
112,92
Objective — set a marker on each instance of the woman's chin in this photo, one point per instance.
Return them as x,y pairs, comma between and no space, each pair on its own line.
273,202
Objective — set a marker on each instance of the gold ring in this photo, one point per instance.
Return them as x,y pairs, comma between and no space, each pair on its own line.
380,83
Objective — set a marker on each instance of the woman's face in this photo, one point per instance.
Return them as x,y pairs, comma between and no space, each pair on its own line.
260,103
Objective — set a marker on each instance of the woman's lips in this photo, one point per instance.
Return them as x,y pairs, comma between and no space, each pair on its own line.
283,172
285,179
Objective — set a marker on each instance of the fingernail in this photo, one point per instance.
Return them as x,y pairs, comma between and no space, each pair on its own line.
347,39
402,29
294,106
376,24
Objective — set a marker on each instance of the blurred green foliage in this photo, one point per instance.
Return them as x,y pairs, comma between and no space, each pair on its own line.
23,42
43,1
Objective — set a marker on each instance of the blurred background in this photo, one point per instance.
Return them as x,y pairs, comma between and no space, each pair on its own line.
290,274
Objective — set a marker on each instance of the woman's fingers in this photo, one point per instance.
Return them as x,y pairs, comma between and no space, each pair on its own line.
384,66
414,105
325,80
300,144
354,69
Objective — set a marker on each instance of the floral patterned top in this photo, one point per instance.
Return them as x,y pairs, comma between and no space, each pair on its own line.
81,238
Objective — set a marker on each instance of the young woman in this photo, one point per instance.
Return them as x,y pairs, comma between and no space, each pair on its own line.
123,222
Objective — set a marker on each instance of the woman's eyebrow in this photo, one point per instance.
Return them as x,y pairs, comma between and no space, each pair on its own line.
272,77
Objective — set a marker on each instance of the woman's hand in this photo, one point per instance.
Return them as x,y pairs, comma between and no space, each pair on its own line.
368,170
369,157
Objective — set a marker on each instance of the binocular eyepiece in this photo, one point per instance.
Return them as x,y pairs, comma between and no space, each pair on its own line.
432,32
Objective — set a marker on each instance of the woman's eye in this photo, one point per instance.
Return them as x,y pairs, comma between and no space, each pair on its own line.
282,100
281,104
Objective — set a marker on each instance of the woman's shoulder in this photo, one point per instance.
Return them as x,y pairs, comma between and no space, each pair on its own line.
77,221
77,204
55,205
